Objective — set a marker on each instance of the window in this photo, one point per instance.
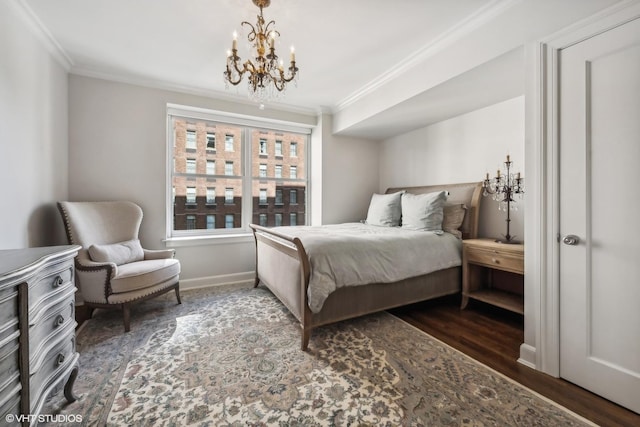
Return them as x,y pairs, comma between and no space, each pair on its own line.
211,167
231,173
191,143
211,196
211,141
263,220
293,218
228,143
293,152
191,165
293,172
191,194
278,219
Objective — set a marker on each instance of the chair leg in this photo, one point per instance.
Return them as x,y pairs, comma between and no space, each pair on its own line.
178,294
126,314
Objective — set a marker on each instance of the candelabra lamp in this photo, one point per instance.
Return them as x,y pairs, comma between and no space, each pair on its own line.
503,188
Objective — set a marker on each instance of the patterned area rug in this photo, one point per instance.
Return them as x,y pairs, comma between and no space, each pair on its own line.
230,357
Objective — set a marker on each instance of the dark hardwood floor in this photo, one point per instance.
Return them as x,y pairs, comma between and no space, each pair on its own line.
493,336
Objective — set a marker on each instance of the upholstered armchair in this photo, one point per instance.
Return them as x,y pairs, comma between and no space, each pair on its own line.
112,268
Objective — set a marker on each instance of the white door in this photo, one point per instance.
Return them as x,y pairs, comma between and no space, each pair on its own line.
600,205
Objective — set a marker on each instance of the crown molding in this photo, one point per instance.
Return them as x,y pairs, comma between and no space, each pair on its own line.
185,89
455,33
42,33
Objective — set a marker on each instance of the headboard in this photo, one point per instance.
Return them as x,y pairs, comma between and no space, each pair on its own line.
467,193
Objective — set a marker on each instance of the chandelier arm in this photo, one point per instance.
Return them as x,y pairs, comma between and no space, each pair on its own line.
253,34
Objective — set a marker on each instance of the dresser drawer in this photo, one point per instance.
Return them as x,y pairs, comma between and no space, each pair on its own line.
54,281
56,361
58,317
490,258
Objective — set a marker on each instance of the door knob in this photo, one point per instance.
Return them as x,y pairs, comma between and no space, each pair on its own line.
571,239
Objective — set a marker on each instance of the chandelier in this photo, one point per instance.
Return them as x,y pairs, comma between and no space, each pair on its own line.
266,73
503,188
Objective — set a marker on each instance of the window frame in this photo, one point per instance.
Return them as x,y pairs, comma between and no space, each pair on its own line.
248,124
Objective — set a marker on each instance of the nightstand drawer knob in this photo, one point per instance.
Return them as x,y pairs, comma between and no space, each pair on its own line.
495,260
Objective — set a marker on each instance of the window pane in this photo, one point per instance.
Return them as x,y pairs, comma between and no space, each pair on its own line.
229,221
228,168
278,219
211,141
191,165
194,189
228,143
285,190
191,139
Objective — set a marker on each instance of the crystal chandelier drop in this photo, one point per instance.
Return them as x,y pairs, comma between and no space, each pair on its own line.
266,74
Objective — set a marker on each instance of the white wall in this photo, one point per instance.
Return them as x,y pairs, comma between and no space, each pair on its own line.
349,175
33,136
462,149
118,151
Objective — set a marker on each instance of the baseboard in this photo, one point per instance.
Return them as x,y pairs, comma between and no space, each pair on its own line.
223,279
527,356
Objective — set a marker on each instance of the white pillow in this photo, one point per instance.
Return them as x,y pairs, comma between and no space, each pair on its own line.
423,211
117,253
385,210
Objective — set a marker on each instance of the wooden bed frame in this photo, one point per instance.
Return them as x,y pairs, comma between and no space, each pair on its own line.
283,266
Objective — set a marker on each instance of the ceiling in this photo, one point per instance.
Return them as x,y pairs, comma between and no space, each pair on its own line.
340,45
345,50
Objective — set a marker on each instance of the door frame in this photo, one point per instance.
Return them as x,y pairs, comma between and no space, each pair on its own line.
541,349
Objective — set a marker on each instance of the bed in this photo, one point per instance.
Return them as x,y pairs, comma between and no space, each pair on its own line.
283,266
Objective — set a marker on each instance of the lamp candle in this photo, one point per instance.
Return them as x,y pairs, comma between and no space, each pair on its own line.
293,54
508,158
498,173
487,178
518,176
234,43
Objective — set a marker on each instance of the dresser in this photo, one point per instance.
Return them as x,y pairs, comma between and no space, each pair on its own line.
480,259
37,329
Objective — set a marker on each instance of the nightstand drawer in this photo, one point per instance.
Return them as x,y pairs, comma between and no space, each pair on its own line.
496,259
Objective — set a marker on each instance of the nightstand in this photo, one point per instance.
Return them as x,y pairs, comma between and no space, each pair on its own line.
480,258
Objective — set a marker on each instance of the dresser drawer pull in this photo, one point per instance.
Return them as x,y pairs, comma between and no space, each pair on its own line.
59,321
58,282
60,359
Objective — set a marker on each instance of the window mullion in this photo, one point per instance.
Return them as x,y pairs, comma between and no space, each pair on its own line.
247,178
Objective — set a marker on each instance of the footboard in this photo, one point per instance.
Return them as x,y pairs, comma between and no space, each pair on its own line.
283,266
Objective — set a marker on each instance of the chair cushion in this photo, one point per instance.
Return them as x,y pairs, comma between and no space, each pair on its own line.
142,274
117,253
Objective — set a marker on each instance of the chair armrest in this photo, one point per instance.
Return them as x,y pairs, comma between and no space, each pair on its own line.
93,278
159,253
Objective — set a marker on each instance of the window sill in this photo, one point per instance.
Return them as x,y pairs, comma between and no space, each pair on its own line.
220,239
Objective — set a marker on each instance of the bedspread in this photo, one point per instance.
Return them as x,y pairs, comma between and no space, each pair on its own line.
358,254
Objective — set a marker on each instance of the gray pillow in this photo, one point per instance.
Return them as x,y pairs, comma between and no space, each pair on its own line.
423,211
385,210
453,217
117,253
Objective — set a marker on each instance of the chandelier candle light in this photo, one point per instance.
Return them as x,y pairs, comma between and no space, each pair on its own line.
503,188
267,77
